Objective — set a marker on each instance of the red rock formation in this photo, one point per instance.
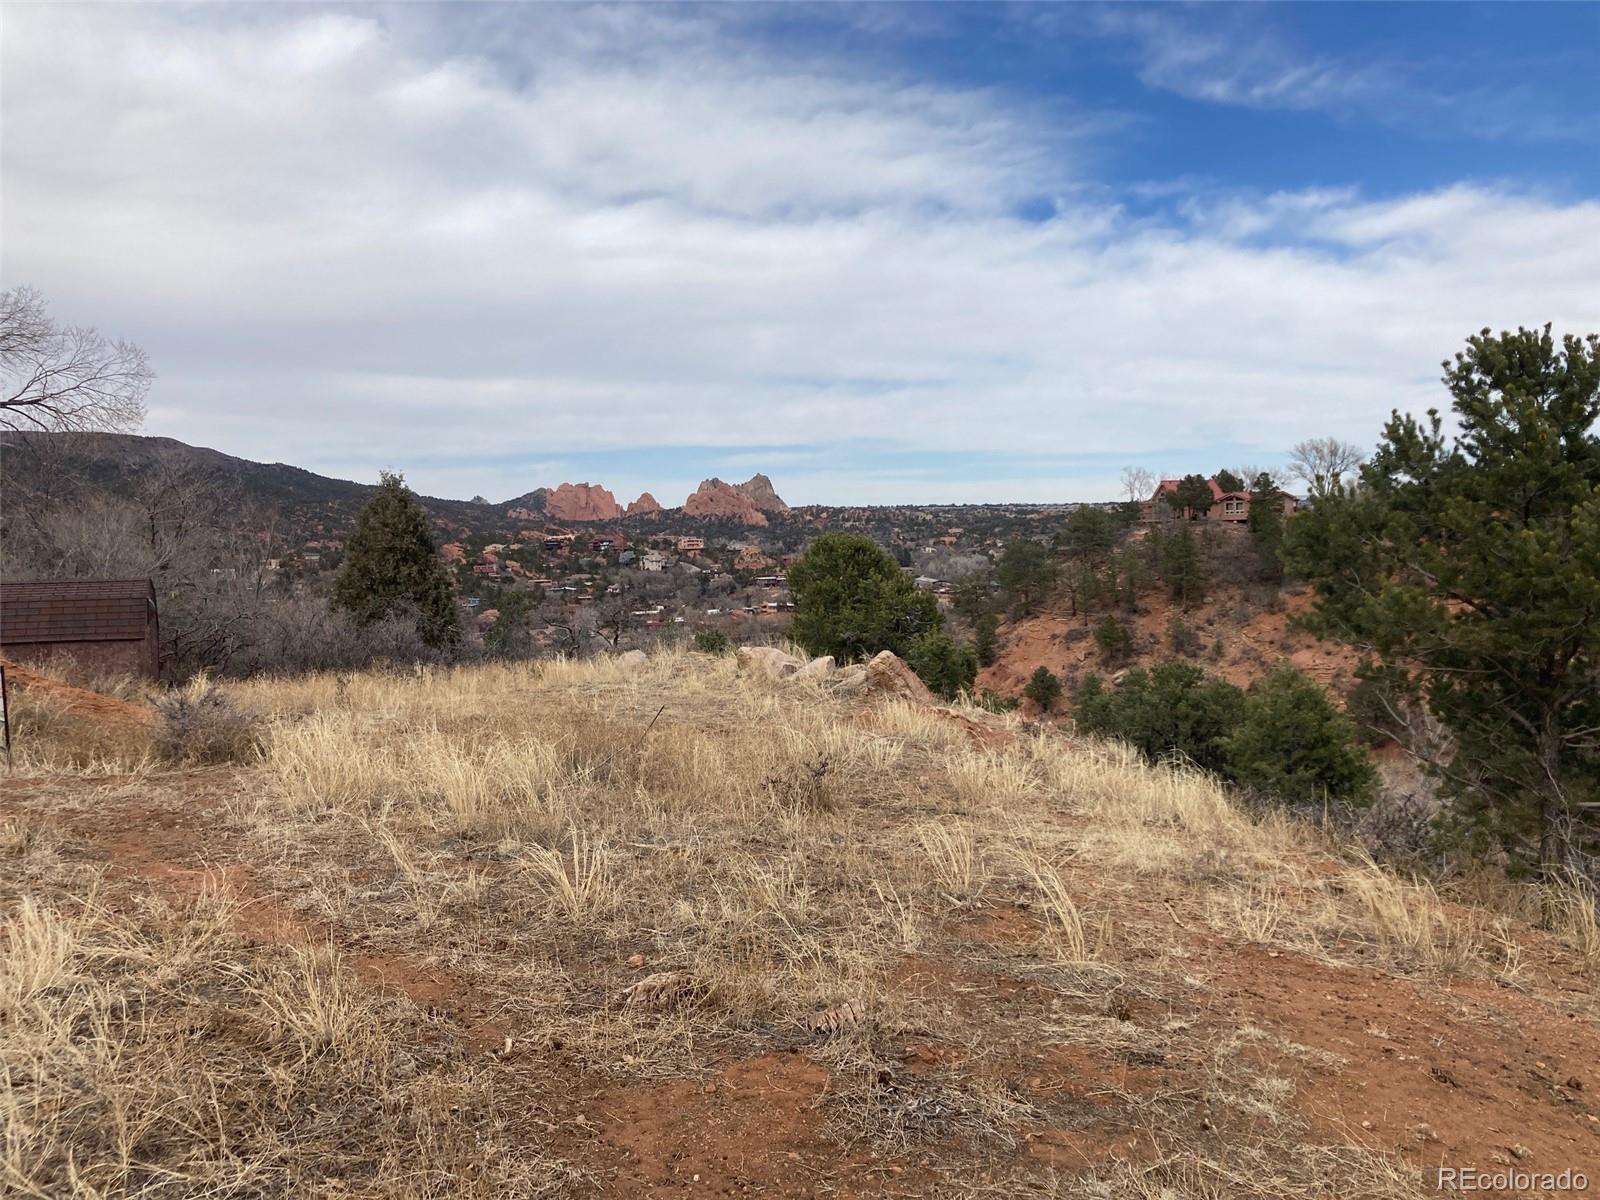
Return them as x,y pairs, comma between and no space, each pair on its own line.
582,502
722,501
759,489
643,506
452,552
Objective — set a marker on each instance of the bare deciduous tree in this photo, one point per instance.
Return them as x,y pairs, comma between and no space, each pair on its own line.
1323,464
55,377
1249,472
1138,482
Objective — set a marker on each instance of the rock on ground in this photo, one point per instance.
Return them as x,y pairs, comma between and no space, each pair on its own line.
888,674
632,659
769,659
817,668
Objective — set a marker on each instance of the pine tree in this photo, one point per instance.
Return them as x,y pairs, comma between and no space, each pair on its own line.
1266,526
391,566
852,600
1292,744
1183,567
986,639
1470,568
1191,499
1044,689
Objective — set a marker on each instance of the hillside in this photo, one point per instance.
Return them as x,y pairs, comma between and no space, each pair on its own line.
661,926
119,463
1235,637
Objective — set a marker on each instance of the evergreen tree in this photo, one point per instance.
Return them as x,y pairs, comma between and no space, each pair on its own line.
391,567
1292,744
1182,566
986,639
1089,533
1172,709
944,664
1026,572
1228,481
1470,568
1191,499
1043,688
1113,639
1266,526
853,600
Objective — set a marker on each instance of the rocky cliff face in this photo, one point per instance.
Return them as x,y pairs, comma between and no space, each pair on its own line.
643,506
749,503
759,489
582,502
717,500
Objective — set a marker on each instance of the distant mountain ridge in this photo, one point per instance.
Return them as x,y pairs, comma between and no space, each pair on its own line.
118,462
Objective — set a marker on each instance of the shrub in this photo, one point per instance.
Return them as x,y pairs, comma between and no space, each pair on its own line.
852,600
709,641
943,663
200,723
1114,640
1044,689
1293,745
302,634
1181,637
986,639
995,702
1175,708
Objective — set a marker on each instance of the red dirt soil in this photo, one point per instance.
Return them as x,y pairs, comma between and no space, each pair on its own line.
1441,1070
80,702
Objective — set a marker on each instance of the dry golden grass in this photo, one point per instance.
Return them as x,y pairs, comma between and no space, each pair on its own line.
657,870
160,1055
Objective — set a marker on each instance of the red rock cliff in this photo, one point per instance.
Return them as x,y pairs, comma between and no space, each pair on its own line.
582,502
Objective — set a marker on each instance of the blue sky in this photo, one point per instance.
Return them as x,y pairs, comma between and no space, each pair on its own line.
916,253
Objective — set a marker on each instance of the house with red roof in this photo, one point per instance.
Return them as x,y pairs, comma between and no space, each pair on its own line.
1228,508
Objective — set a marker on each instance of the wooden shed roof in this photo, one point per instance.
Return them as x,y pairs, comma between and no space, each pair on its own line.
78,610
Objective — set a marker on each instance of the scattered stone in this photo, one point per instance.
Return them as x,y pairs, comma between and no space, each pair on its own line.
851,680
767,659
1520,1152
830,1021
632,659
659,990
817,668
888,674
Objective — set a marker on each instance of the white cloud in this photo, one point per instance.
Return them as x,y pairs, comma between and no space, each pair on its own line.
585,229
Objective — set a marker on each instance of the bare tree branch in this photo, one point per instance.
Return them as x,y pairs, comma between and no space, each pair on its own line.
1324,464
55,377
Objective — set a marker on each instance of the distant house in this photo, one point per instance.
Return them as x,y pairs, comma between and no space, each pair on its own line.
690,545
653,560
107,626
1232,508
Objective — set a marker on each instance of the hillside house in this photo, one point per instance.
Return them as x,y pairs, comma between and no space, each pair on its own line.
1230,508
690,545
106,626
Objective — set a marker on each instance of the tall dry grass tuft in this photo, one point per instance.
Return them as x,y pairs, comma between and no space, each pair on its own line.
1572,912
1408,919
579,885
1068,931
953,860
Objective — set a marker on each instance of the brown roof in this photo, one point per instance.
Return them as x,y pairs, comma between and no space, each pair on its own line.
80,610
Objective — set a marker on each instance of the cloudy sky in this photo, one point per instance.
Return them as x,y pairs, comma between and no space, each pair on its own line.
881,253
